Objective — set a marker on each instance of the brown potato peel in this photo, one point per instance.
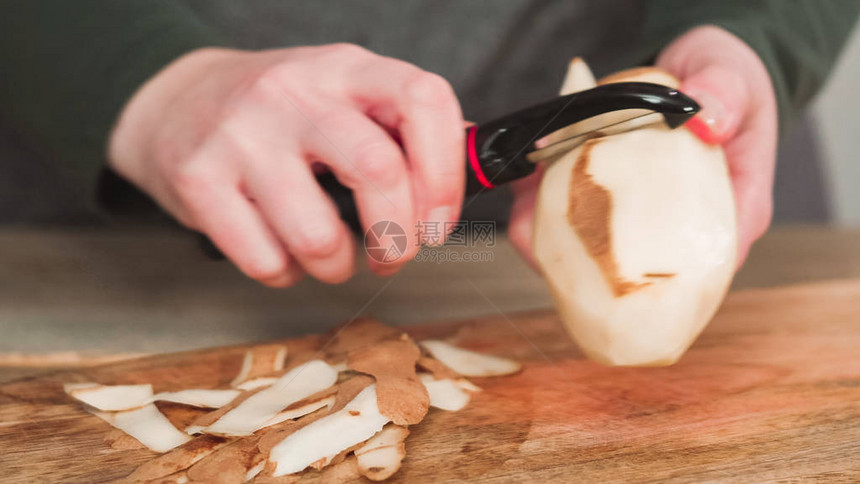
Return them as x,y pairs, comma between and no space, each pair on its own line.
360,333
212,417
400,394
228,464
439,370
177,459
369,353
589,214
260,361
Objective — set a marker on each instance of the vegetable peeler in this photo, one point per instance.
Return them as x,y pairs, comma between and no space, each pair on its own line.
503,150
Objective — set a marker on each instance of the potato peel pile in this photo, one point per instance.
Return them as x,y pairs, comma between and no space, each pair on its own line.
345,408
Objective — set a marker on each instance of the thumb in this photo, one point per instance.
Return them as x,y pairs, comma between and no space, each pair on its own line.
723,98
521,224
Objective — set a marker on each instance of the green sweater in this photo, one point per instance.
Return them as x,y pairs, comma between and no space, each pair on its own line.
69,66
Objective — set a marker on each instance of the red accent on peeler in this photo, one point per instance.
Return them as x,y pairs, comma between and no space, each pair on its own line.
472,151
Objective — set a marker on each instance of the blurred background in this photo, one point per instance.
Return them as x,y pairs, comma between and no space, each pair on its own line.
816,173
832,115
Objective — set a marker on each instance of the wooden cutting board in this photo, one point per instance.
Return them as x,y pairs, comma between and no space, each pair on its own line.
770,391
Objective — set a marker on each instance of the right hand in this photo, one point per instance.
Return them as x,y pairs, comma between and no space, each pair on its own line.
228,142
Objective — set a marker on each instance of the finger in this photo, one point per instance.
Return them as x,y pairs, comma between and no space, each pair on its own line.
304,218
713,78
726,118
724,99
739,112
751,167
424,110
747,130
235,226
365,159
754,210
263,133
521,225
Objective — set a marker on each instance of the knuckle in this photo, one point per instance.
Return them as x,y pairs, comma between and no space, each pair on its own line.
190,183
238,149
271,82
185,218
428,88
440,188
317,240
376,163
334,119
443,173
346,49
280,86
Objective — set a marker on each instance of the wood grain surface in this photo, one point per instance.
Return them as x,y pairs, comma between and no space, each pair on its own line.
769,392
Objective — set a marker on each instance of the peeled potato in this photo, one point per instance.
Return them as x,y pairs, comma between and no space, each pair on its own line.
635,234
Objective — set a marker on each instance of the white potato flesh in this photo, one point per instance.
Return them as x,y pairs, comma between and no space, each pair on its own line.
115,398
390,435
469,363
380,464
672,228
147,425
358,421
578,77
261,359
245,369
654,75
294,413
262,381
445,394
254,413
110,398
467,385
252,472
380,457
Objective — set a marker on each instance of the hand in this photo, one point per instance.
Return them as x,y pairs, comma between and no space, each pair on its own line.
735,92
733,87
228,142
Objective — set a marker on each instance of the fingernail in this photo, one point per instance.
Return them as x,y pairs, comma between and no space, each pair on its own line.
712,119
436,225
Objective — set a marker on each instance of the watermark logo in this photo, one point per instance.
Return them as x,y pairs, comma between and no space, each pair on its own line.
385,241
466,241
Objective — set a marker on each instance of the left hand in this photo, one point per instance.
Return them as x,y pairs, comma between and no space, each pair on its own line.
733,87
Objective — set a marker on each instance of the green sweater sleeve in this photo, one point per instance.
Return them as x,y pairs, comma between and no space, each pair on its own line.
798,40
68,67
